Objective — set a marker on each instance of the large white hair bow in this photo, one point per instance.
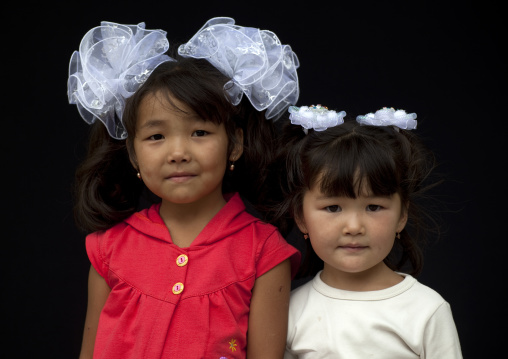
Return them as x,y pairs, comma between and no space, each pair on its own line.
258,64
112,62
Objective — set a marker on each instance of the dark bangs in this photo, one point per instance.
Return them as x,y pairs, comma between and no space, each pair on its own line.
354,162
194,82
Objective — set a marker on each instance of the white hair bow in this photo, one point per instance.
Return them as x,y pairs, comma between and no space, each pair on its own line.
389,117
318,117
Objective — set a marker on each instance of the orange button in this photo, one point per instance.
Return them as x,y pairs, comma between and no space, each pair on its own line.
182,260
178,288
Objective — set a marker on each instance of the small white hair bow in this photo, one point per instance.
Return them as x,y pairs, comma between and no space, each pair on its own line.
389,117
317,117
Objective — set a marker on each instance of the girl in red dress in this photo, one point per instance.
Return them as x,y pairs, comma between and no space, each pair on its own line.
179,268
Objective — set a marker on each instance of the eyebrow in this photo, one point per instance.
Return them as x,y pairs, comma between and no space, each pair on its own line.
157,123
368,196
152,123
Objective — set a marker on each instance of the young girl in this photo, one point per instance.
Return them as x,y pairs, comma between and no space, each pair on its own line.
193,274
353,191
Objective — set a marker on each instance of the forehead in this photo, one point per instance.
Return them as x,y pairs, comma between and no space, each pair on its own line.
159,107
163,101
342,183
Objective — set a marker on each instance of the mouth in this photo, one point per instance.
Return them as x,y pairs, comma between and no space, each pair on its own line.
180,177
353,247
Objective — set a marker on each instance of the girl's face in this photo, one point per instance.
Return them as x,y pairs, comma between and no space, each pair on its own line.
351,236
181,158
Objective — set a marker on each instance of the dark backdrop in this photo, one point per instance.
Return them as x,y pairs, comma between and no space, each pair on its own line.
440,59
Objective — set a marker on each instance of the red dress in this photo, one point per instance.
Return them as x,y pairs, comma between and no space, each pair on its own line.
172,302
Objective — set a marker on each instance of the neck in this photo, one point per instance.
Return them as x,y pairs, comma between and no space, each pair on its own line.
376,278
186,220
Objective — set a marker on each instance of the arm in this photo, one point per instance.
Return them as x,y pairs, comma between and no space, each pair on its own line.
268,317
98,292
440,336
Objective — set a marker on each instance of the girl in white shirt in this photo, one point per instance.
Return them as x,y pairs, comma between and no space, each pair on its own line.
353,189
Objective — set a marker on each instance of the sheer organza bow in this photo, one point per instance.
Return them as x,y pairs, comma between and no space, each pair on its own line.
112,62
258,64
389,117
318,117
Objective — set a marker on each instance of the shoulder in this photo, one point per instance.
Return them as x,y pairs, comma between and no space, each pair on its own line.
300,296
424,290
107,234
137,221
300,304
244,215
100,244
424,296
268,244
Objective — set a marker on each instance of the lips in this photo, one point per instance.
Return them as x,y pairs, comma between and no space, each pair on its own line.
353,247
180,177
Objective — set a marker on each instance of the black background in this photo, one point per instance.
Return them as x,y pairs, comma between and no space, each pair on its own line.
442,60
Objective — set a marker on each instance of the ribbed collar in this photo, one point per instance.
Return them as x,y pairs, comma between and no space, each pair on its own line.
326,290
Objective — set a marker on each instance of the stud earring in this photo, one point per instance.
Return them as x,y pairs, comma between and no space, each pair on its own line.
139,175
232,166
305,236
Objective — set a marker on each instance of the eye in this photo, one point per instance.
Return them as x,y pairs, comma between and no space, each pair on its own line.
156,137
373,208
333,209
199,133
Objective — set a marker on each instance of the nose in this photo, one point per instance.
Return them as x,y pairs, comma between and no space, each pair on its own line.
178,150
353,224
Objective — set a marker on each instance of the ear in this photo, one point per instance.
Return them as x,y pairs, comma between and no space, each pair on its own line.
238,149
403,218
132,155
301,224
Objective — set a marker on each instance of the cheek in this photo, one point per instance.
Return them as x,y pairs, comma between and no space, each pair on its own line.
218,160
216,152
383,238
144,159
310,216
323,244
319,227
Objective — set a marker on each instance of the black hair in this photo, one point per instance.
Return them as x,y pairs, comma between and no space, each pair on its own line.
342,160
106,187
